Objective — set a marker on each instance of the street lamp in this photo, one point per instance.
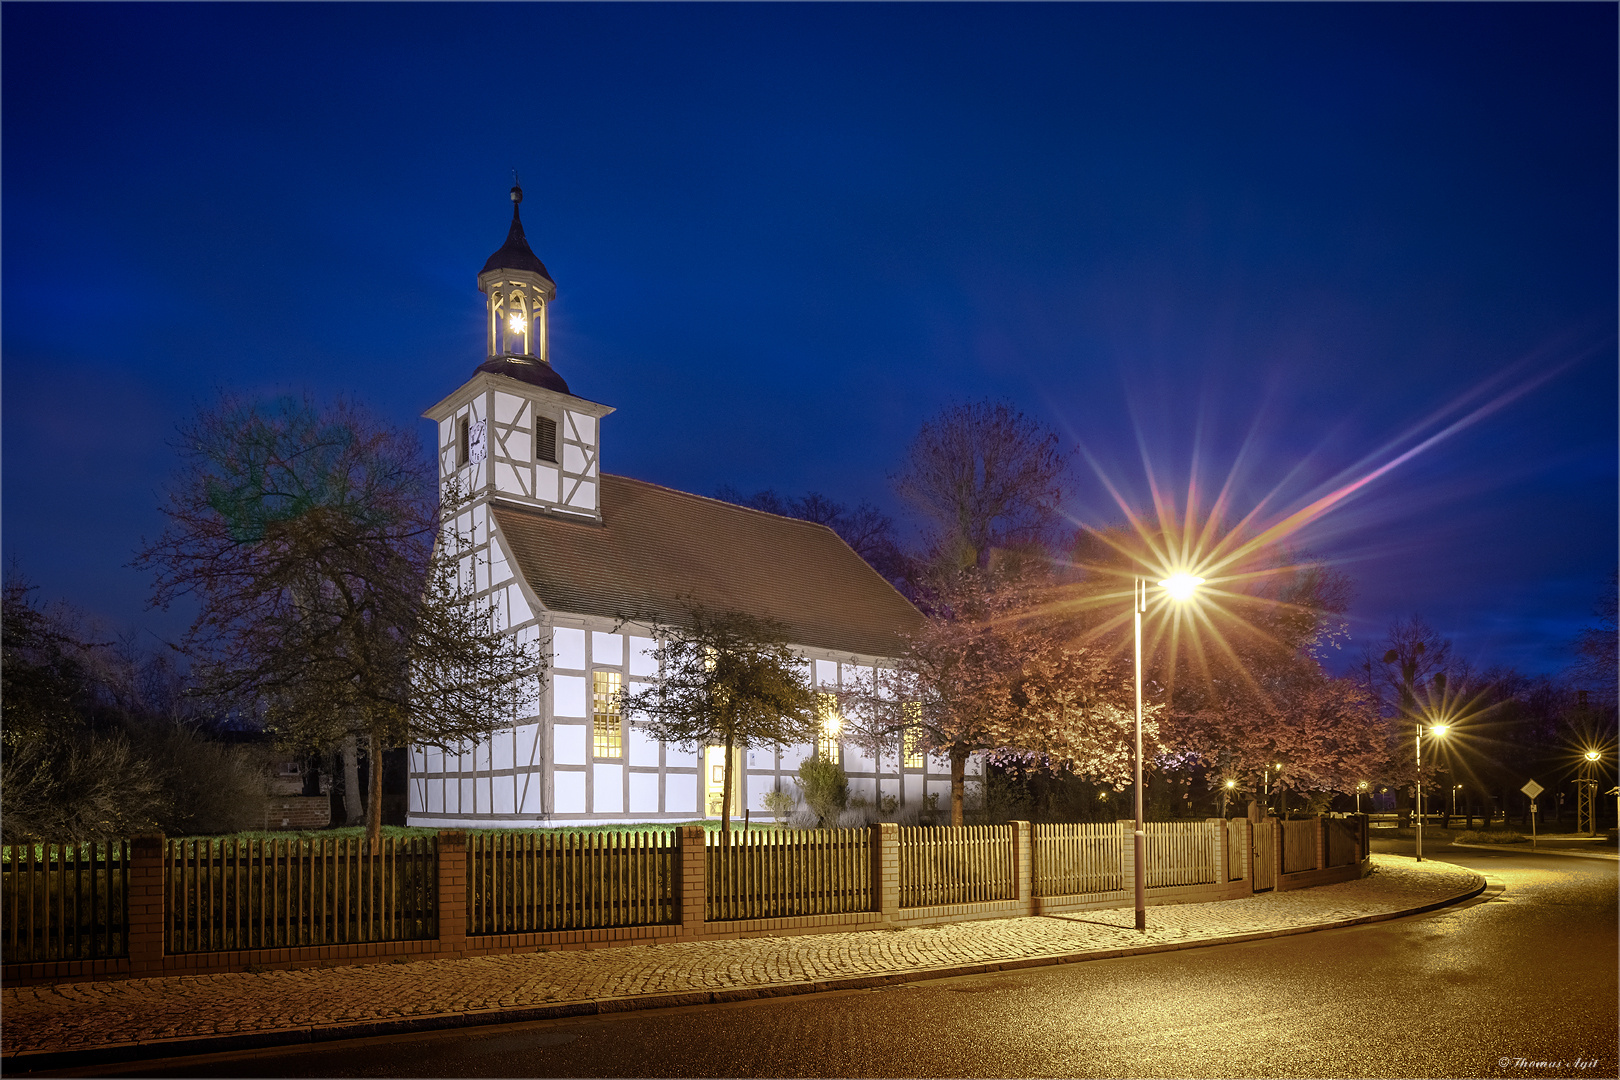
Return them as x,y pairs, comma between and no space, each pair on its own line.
1226,789
1359,789
1586,792
1439,732
1180,587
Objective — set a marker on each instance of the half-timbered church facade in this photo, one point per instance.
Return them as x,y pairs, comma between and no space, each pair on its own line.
586,562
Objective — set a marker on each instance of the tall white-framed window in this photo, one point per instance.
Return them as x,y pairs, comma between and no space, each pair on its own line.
607,728
912,737
832,721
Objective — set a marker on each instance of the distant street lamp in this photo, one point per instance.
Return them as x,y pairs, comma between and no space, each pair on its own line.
1180,587
1226,789
1586,792
1439,732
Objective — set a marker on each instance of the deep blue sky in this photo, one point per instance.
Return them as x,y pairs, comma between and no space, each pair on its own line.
784,236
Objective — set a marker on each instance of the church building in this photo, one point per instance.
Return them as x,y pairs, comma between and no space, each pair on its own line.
586,562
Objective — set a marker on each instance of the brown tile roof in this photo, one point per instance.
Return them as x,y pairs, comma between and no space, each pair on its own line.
656,545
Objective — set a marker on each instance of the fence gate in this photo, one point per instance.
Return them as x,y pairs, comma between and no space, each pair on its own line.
1265,848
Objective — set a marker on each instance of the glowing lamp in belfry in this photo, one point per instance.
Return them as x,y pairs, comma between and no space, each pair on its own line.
1181,586
515,324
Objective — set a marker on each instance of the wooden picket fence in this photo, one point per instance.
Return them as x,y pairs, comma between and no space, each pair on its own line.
956,864
1343,839
253,893
1072,859
1237,849
1180,853
64,901
521,882
1265,856
784,874
1299,845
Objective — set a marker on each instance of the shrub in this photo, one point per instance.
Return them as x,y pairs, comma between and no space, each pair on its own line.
779,804
94,788
824,786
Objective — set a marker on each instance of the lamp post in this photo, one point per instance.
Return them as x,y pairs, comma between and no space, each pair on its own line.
1180,587
1586,792
1439,731
1226,789
1359,789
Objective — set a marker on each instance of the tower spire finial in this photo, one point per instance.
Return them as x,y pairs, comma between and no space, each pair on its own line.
517,193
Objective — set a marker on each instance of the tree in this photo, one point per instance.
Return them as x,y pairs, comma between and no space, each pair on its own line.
999,668
1238,666
99,743
725,678
983,476
329,600
1596,667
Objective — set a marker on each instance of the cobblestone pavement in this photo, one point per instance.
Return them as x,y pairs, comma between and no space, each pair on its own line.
83,1016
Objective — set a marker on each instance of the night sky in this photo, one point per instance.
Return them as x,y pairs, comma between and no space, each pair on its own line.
1289,243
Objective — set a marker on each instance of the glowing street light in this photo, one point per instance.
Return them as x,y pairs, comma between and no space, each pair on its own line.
1180,586
1359,789
1226,789
1439,732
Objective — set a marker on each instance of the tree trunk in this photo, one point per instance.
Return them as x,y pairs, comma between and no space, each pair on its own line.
353,808
725,794
959,756
374,810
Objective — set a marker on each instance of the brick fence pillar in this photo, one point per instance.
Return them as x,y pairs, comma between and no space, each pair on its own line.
452,867
1217,838
886,869
691,858
1024,865
146,904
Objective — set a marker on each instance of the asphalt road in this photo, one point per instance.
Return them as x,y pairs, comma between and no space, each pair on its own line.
1520,983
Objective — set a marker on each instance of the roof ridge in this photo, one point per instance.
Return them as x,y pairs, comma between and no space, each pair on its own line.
722,502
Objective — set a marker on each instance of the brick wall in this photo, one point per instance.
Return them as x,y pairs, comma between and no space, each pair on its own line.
298,812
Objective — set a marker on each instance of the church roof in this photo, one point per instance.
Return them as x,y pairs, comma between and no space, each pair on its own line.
656,546
515,253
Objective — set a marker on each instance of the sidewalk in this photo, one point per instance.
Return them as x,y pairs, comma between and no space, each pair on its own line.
92,1023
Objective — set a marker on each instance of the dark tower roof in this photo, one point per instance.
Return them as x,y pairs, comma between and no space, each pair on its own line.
526,369
515,253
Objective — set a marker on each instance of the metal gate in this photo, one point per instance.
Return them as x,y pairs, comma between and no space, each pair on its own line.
1265,851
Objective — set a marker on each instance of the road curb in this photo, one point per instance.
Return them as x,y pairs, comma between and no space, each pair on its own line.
1522,849
148,1049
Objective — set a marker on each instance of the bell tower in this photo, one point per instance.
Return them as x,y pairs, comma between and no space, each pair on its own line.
515,431
518,294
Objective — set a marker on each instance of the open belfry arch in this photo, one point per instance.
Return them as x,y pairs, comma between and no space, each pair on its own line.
586,563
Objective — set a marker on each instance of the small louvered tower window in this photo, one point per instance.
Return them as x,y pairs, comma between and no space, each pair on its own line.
545,439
